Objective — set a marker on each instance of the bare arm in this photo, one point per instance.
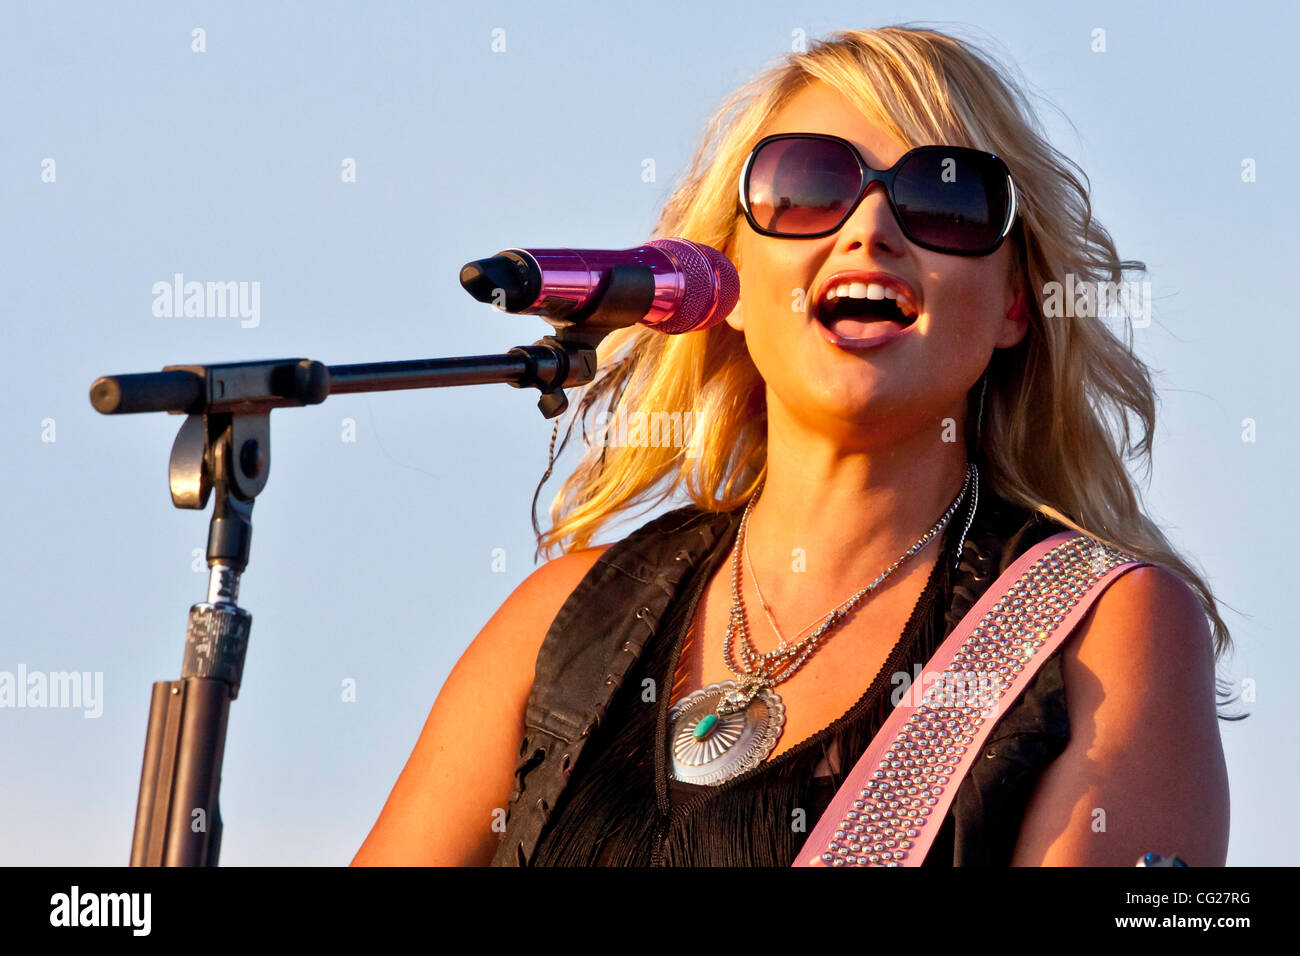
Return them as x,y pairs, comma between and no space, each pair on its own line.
440,811
1144,768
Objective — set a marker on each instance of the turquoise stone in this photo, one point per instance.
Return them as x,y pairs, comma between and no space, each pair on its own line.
705,725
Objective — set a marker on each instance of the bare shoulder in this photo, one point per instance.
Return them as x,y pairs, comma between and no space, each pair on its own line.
1144,768
505,650
447,803
1147,628
540,596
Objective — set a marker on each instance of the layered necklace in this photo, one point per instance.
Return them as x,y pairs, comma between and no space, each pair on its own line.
727,728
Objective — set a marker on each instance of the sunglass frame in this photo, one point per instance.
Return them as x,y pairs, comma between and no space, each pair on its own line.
886,178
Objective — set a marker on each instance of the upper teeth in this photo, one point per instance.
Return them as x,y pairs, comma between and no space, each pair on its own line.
867,290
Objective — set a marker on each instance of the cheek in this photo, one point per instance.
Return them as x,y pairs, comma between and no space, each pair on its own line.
767,297
967,307
775,276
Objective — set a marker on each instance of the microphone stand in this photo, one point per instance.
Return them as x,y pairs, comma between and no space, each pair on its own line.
224,445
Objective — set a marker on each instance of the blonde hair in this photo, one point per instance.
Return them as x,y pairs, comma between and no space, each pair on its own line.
1045,444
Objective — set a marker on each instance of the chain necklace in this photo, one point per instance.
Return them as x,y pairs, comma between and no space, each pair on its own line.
726,728
767,608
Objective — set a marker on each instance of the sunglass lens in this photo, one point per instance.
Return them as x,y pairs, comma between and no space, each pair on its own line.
801,187
952,199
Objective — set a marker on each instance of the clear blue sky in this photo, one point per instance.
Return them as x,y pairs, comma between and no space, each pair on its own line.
372,560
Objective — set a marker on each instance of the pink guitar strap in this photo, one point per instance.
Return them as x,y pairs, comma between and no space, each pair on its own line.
898,793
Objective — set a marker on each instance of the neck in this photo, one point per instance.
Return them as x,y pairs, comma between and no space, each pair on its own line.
848,513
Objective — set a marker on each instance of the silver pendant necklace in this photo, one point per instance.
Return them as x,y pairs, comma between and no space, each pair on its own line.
729,727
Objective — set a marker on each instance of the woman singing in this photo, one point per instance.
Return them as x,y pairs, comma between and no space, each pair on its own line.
896,410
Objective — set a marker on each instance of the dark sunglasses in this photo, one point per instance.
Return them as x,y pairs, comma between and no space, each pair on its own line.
945,198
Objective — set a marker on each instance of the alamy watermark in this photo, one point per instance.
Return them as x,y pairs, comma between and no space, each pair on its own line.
1090,300
208,300
57,689
77,908
646,430
980,690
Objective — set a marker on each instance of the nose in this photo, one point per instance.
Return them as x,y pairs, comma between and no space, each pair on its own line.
872,225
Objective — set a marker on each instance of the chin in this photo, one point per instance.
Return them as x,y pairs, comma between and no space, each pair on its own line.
839,399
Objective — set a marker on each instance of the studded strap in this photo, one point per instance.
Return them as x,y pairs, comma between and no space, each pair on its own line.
888,811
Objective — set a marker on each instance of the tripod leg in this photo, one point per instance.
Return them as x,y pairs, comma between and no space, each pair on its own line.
190,833
178,822
156,775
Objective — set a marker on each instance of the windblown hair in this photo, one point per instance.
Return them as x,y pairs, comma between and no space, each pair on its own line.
1057,426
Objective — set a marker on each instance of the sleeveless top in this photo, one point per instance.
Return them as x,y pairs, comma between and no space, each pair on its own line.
617,803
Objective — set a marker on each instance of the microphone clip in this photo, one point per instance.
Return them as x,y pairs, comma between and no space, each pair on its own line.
568,357
555,362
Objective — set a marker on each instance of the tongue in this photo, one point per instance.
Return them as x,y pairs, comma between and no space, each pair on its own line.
864,328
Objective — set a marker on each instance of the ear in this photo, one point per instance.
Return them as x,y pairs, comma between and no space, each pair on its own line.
736,318
731,249
1016,322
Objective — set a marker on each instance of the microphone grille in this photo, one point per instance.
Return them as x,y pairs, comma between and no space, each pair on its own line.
712,285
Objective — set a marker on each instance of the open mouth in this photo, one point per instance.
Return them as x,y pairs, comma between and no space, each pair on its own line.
853,310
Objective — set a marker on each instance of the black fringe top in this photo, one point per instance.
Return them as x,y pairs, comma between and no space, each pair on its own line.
621,807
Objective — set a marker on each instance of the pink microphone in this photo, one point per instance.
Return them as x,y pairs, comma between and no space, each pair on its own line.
694,286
